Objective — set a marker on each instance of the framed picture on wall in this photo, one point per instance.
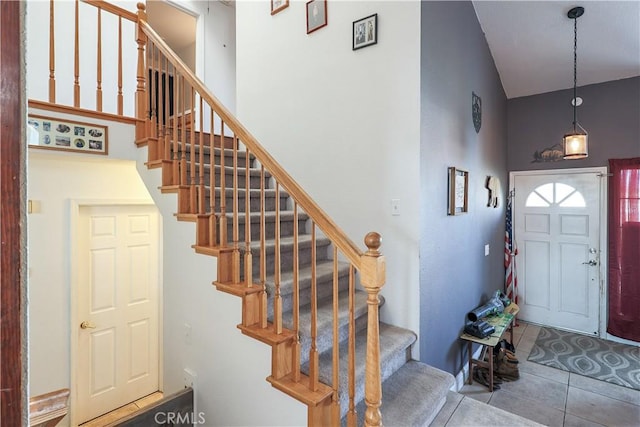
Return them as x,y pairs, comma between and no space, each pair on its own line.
365,32
316,15
278,5
458,191
66,135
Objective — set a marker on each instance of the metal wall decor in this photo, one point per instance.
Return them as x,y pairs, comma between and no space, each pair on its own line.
476,111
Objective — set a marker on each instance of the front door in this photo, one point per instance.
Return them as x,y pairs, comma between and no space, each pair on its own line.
557,232
117,354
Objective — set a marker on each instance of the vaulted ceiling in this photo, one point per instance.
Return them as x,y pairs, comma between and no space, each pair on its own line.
532,43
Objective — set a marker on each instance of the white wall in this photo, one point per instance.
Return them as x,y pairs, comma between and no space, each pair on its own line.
37,54
54,179
344,123
215,47
230,368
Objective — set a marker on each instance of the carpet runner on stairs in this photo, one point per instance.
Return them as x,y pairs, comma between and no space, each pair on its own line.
413,392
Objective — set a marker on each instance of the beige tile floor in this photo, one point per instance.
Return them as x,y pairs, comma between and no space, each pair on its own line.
123,411
558,398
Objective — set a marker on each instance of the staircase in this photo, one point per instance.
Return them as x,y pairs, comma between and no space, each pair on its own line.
307,290
413,392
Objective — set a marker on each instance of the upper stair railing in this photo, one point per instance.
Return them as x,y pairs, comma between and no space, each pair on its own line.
180,120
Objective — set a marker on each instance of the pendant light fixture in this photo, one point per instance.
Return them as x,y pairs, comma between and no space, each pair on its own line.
574,143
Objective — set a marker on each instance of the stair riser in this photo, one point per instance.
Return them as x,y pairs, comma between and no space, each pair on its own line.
254,202
228,157
242,179
286,258
324,290
324,340
286,228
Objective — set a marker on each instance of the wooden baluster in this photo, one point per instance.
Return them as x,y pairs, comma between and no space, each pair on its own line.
335,404
263,254
99,63
141,95
277,299
248,257
236,224
165,118
76,63
223,200
352,416
313,351
175,166
193,189
153,84
160,150
372,273
213,230
119,100
296,296
201,189
52,55
183,133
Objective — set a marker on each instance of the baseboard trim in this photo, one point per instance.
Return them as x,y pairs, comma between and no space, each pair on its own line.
463,374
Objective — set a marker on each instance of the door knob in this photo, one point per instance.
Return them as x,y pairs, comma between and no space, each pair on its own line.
87,325
591,262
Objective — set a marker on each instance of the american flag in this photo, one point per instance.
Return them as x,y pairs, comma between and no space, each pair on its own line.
510,252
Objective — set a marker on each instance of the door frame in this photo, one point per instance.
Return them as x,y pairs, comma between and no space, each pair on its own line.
602,172
74,216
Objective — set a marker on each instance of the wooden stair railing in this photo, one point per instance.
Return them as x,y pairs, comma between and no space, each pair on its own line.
229,185
173,147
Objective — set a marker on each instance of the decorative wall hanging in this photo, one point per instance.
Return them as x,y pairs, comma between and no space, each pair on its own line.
365,32
549,154
278,5
458,191
495,189
316,15
67,135
476,111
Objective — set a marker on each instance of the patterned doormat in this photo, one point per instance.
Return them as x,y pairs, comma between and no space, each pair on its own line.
589,356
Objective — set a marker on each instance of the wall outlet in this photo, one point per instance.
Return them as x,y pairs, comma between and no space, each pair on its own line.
486,250
189,378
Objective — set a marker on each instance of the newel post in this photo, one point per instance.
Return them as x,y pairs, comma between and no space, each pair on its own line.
141,101
373,272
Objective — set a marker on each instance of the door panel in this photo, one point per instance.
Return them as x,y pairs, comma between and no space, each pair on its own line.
118,299
556,221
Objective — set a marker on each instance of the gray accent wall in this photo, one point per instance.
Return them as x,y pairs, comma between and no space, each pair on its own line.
610,113
455,275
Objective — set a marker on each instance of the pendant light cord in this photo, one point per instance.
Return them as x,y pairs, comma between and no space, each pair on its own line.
575,71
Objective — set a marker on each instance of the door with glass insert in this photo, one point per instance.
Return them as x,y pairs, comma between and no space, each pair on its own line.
557,232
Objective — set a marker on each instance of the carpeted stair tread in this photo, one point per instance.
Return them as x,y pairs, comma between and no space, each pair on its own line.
412,396
324,338
286,244
269,217
324,273
395,343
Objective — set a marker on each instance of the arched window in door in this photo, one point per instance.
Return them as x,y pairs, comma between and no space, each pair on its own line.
555,193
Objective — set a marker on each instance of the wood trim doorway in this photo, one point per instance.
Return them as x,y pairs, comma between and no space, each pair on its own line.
13,395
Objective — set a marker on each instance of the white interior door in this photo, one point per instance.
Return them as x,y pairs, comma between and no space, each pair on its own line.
117,354
557,232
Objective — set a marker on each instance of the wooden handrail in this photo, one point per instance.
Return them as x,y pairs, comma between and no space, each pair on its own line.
108,7
350,250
